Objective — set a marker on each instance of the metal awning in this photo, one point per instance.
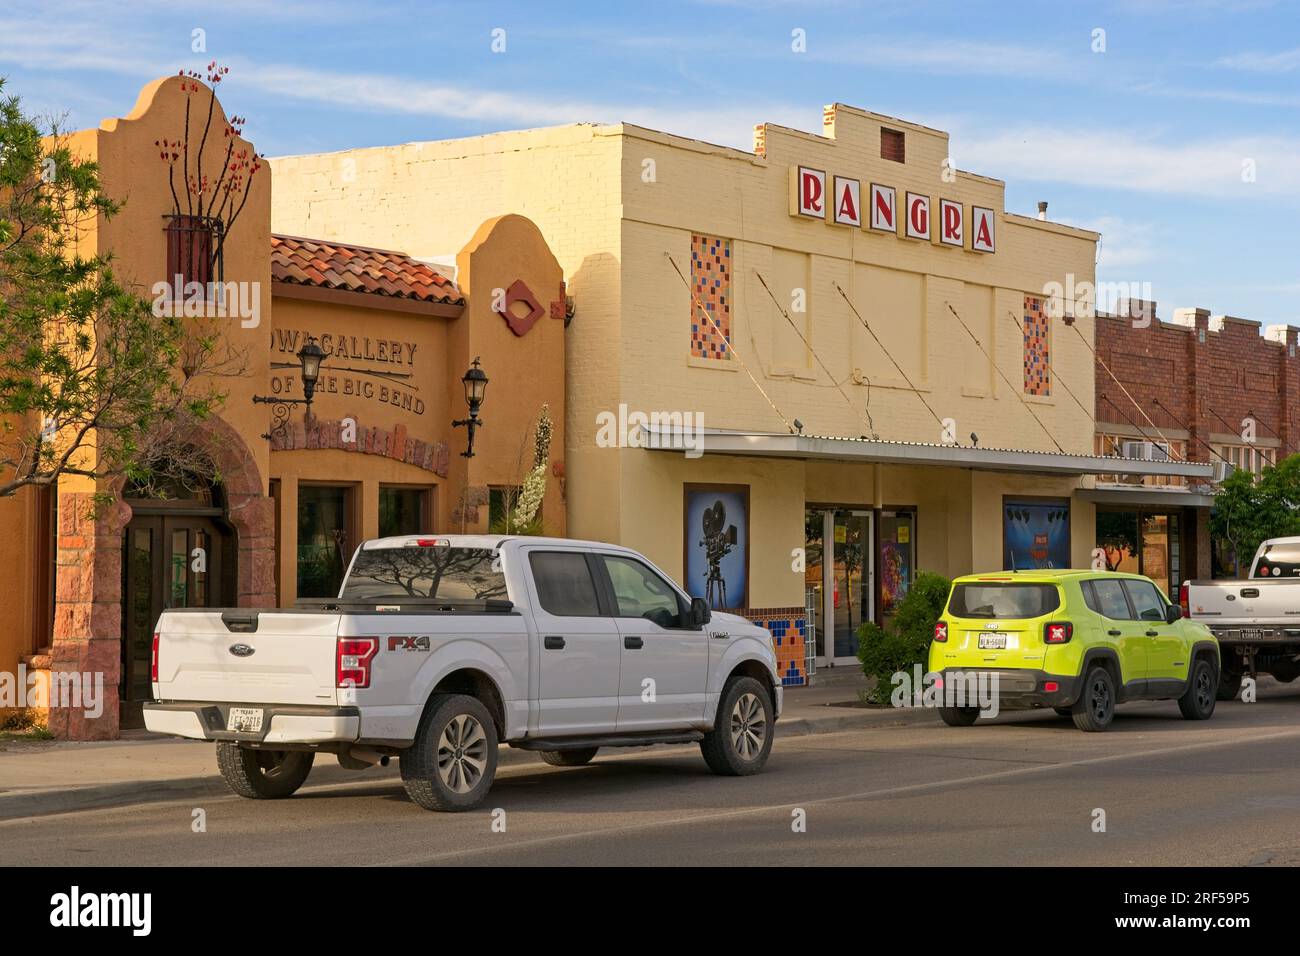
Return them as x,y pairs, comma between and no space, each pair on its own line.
1147,497
871,450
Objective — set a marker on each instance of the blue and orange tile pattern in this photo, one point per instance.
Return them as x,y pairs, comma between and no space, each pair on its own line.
711,290
1038,370
788,626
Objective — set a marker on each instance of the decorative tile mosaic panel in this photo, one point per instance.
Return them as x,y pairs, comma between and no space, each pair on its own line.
711,290
1038,373
787,625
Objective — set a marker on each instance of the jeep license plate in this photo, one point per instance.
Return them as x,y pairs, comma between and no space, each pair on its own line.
1252,634
993,642
244,720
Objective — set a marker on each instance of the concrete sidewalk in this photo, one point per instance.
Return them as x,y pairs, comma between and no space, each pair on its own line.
38,778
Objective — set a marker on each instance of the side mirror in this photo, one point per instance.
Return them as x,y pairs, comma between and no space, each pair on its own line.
1173,613
700,612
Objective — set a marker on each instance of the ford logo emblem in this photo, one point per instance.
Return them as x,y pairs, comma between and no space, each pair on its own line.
241,650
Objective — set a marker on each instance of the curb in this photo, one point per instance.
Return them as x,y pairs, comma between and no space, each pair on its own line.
38,803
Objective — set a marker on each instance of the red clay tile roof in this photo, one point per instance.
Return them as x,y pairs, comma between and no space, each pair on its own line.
337,265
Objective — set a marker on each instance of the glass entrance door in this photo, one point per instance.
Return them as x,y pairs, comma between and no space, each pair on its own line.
171,561
840,573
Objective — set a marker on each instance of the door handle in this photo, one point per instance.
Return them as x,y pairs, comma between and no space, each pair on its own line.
633,643
1115,633
553,643
1153,633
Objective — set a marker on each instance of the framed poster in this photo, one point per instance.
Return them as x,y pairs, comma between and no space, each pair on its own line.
716,536
1035,533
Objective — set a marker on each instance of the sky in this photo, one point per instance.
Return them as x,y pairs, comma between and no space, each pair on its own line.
1173,128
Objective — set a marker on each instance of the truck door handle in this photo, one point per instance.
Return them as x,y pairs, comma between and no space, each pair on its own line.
633,643
1115,633
553,643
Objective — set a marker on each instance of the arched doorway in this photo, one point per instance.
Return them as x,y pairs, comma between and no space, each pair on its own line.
179,550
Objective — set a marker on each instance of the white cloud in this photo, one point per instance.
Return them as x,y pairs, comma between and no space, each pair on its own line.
1133,159
1287,61
1124,243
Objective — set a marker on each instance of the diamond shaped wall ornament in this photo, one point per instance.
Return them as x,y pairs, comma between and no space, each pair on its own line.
519,292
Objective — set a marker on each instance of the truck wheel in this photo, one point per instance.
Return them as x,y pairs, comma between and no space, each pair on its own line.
959,716
742,733
452,763
1229,686
569,758
263,774
1095,708
1197,702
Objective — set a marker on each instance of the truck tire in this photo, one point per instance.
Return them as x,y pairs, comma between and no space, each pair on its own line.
453,760
263,774
1197,702
569,758
1095,708
1229,686
959,716
743,730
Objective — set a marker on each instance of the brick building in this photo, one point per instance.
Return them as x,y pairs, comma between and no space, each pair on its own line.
1199,388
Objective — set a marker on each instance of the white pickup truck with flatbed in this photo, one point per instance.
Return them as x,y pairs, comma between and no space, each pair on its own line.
1256,621
439,647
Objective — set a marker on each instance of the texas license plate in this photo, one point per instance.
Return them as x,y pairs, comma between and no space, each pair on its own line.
993,642
1252,634
245,720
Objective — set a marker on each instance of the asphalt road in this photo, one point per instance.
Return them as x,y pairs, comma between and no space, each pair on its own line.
1021,789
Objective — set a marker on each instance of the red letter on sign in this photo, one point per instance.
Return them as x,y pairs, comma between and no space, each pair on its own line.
950,213
918,216
812,192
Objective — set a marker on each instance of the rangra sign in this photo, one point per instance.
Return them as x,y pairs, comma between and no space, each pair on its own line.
839,200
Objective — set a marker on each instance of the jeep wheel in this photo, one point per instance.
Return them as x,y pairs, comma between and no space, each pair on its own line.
1229,686
1197,702
569,758
453,760
1095,708
263,774
959,716
742,732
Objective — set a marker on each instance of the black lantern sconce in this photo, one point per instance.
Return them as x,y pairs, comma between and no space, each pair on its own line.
475,381
310,357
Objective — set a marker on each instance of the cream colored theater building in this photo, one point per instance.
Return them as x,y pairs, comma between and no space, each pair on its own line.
863,329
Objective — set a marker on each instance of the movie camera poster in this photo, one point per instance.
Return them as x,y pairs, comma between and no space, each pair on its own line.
717,545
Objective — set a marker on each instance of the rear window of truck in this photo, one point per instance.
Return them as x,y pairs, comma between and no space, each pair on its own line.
1278,561
998,600
454,575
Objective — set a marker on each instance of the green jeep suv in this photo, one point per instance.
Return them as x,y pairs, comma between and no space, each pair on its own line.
1076,641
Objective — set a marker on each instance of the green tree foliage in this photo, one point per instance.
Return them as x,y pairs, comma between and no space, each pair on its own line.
905,641
92,382
1249,509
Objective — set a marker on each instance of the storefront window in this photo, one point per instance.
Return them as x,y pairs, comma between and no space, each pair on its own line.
897,558
850,595
1145,543
401,511
323,541
814,523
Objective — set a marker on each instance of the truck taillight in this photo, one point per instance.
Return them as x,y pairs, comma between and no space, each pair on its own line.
353,658
941,631
1184,595
1058,633
153,659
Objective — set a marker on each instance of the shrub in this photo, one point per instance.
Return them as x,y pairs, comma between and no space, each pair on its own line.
906,641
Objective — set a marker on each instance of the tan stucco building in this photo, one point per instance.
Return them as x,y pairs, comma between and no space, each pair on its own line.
848,285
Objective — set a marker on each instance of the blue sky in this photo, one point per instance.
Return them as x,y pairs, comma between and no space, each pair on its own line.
1145,141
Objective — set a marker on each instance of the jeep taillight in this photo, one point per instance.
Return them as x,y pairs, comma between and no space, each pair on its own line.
941,631
1058,633
353,658
153,659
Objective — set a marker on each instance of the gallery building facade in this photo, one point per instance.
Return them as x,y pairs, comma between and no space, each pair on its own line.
292,489
798,375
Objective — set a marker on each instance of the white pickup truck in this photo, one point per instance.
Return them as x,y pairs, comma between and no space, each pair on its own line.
437,648
1257,621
